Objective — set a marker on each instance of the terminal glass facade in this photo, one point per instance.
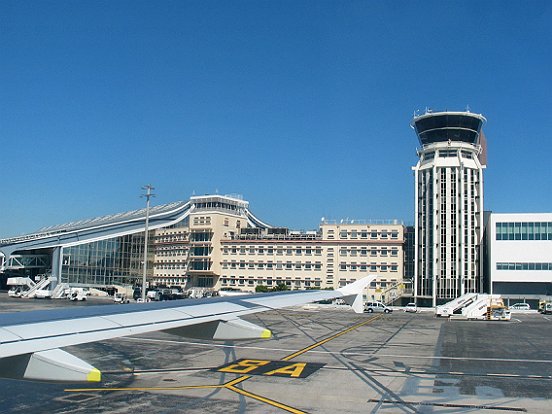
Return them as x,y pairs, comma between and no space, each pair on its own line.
106,262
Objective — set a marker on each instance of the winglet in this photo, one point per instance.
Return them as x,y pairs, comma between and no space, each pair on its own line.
352,293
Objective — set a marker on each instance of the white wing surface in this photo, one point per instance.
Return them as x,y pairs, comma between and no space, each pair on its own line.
30,342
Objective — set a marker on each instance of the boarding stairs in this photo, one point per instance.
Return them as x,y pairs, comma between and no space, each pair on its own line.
479,308
60,291
19,286
449,308
42,284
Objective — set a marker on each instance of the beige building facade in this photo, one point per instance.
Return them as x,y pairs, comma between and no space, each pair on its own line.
221,245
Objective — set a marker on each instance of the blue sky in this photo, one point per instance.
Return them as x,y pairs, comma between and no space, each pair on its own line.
303,107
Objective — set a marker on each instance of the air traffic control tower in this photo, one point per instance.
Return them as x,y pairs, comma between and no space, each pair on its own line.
448,205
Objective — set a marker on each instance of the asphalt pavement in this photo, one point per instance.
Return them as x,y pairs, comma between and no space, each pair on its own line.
321,360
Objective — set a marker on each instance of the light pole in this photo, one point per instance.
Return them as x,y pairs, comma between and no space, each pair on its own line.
148,195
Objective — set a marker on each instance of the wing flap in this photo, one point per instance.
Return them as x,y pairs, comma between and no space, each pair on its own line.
223,330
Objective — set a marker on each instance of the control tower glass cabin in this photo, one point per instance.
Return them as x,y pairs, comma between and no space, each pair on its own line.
449,205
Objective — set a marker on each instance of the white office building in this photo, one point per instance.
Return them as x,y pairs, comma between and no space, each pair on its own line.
519,256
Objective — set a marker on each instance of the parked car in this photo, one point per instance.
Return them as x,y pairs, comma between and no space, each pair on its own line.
371,307
520,306
411,307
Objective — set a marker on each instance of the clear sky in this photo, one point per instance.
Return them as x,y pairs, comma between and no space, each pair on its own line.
303,107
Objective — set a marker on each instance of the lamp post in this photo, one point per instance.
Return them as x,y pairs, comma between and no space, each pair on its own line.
148,195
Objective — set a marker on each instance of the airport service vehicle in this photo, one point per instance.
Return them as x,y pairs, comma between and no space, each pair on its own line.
31,342
543,304
547,308
77,294
378,307
121,298
154,295
520,306
498,313
411,307
16,292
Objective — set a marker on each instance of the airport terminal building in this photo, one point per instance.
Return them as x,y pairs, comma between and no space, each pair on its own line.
215,242
210,242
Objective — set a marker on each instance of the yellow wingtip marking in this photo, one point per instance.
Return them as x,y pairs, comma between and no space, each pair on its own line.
94,376
266,334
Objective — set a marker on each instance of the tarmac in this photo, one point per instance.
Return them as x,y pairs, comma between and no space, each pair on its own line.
321,360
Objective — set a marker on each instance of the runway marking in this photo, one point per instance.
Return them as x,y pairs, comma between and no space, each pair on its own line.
263,399
269,368
231,385
291,356
337,335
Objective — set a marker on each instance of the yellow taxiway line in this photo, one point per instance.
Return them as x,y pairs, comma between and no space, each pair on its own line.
231,385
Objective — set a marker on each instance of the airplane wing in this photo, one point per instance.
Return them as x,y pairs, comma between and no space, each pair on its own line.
30,342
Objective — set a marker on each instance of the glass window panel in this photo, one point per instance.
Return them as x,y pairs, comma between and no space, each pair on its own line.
531,231
523,231
517,231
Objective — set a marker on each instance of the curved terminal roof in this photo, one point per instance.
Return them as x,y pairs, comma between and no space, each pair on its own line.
127,223
434,127
114,218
